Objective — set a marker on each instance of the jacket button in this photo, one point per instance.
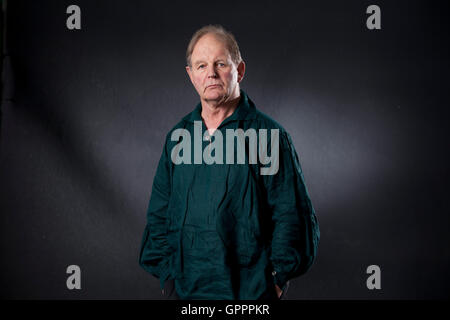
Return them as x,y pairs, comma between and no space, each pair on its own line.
274,273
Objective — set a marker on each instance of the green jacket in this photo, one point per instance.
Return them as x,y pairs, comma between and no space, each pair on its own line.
225,231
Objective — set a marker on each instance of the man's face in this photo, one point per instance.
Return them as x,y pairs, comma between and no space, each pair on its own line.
213,74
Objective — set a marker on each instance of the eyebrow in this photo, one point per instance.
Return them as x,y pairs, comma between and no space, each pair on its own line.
196,63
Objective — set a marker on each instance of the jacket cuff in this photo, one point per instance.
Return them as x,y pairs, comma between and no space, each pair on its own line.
280,279
164,273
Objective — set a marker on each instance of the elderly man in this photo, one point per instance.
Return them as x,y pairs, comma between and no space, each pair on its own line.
219,228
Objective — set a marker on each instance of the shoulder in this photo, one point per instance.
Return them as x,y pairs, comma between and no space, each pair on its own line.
184,123
264,121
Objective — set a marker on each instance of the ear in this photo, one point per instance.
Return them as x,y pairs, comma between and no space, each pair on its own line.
241,71
189,72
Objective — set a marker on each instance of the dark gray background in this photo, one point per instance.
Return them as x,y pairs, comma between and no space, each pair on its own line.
85,113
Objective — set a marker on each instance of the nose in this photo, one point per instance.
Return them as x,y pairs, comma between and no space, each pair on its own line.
212,71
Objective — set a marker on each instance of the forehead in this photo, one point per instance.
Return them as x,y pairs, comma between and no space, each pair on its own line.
210,46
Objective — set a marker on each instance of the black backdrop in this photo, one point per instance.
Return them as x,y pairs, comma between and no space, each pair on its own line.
85,113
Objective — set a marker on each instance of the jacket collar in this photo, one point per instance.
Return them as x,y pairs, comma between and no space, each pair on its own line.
245,110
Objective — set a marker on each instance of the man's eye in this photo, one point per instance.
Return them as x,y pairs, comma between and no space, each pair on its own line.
221,64
201,66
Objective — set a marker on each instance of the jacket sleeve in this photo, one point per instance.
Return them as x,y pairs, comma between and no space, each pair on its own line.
295,228
155,251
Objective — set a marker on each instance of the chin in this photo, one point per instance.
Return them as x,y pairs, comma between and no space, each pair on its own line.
214,97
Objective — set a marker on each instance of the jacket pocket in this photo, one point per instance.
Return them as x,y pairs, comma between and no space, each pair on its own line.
247,248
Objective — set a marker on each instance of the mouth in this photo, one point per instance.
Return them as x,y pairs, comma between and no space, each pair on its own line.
213,86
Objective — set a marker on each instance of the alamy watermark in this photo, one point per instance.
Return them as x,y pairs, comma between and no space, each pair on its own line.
373,22
73,22
74,280
213,153
374,280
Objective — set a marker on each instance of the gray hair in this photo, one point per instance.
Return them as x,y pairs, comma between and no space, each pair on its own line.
220,33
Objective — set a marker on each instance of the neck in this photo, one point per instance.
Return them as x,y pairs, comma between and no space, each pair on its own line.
214,114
